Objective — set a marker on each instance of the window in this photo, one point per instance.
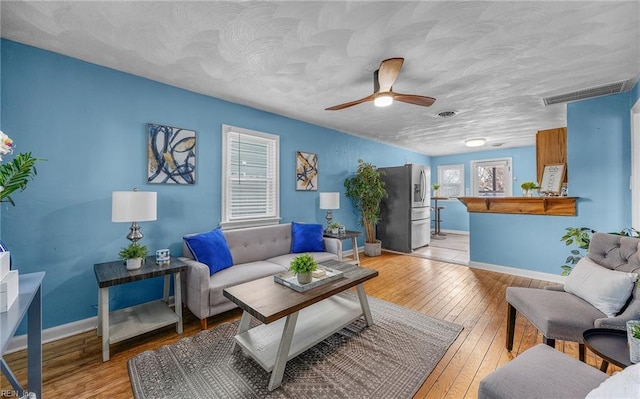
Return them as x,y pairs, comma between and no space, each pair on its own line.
491,178
451,180
250,178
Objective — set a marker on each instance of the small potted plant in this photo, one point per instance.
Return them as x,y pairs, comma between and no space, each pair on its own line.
334,227
633,336
527,188
302,266
134,253
436,187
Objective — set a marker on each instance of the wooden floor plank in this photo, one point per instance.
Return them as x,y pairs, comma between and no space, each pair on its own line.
471,297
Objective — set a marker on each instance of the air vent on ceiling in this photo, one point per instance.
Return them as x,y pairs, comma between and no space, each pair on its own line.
447,114
611,88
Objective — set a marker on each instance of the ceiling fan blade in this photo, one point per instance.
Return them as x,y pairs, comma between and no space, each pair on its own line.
388,72
350,104
414,99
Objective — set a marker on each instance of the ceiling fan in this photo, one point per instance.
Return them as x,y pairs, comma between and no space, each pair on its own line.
383,95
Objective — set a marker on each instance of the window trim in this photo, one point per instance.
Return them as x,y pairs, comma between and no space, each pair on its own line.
508,189
225,222
460,166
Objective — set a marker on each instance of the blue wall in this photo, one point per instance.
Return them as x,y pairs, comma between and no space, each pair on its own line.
523,161
89,123
599,167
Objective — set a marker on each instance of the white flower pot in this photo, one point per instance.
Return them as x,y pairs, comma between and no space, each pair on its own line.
634,343
134,263
304,278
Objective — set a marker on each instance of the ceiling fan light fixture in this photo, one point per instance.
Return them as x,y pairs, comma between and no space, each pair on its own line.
477,142
383,100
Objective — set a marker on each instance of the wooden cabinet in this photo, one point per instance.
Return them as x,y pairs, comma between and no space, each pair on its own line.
551,147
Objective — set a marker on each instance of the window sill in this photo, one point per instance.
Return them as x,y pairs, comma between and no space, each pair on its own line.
550,206
241,224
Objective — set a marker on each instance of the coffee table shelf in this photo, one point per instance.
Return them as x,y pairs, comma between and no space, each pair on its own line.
139,319
262,342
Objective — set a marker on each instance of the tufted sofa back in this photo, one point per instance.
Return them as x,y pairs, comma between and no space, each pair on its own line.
615,252
259,243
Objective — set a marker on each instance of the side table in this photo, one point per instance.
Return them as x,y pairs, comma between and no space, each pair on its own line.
610,345
353,235
125,323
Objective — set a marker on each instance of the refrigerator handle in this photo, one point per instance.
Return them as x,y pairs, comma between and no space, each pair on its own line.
423,182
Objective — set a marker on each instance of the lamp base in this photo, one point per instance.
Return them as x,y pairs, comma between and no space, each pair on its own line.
134,235
329,219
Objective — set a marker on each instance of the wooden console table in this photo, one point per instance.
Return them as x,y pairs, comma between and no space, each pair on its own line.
29,302
551,206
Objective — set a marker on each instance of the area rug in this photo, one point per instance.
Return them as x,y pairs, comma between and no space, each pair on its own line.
390,359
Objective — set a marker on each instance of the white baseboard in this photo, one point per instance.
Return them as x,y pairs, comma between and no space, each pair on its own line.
460,232
55,333
555,278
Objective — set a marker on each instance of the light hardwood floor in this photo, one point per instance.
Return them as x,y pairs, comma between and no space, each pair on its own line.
474,298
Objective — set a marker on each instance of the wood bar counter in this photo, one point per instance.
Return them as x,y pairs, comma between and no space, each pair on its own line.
551,206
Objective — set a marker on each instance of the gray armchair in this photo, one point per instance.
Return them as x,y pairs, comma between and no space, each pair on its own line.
562,315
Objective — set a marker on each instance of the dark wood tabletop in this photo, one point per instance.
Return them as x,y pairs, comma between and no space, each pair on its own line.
113,273
345,235
269,301
611,345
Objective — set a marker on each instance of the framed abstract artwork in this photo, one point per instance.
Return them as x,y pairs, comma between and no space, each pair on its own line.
306,171
171,155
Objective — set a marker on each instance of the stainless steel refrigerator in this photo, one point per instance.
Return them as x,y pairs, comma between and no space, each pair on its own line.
405,213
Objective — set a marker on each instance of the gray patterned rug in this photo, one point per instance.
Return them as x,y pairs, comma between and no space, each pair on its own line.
390,359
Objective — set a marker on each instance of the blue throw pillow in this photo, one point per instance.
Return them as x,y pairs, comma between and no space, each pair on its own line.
210,248
306,238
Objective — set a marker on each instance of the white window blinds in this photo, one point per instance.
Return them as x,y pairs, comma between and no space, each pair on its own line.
250,194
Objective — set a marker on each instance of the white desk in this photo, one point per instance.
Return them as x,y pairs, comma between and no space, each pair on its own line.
29,302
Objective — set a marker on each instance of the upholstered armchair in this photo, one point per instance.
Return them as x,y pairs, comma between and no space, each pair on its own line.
559,314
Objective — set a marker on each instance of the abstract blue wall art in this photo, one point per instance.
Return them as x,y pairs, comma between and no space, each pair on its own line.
306,171
171,155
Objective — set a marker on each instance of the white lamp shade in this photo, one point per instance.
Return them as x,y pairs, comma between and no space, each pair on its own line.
329,200
133,206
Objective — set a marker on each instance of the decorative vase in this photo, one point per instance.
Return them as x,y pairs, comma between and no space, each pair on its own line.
526,192
304,278
134,263
334,231
634,343
373,249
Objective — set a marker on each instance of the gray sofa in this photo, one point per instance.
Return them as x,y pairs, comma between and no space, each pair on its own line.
257,252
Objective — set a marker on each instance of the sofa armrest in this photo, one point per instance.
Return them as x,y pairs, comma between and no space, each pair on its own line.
197,287
334,246
631,312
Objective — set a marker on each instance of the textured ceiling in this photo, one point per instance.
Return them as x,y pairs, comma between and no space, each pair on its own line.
491,62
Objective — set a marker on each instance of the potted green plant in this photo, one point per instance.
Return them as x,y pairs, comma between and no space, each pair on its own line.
633,335
302,266
134,253
366,189
527,188
436,187
334,227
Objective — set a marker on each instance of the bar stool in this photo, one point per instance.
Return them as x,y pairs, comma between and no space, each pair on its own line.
437,234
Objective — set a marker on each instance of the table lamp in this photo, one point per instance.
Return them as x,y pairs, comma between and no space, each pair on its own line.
134,206
329,201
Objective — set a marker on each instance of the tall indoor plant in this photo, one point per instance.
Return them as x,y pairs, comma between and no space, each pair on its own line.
366,189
